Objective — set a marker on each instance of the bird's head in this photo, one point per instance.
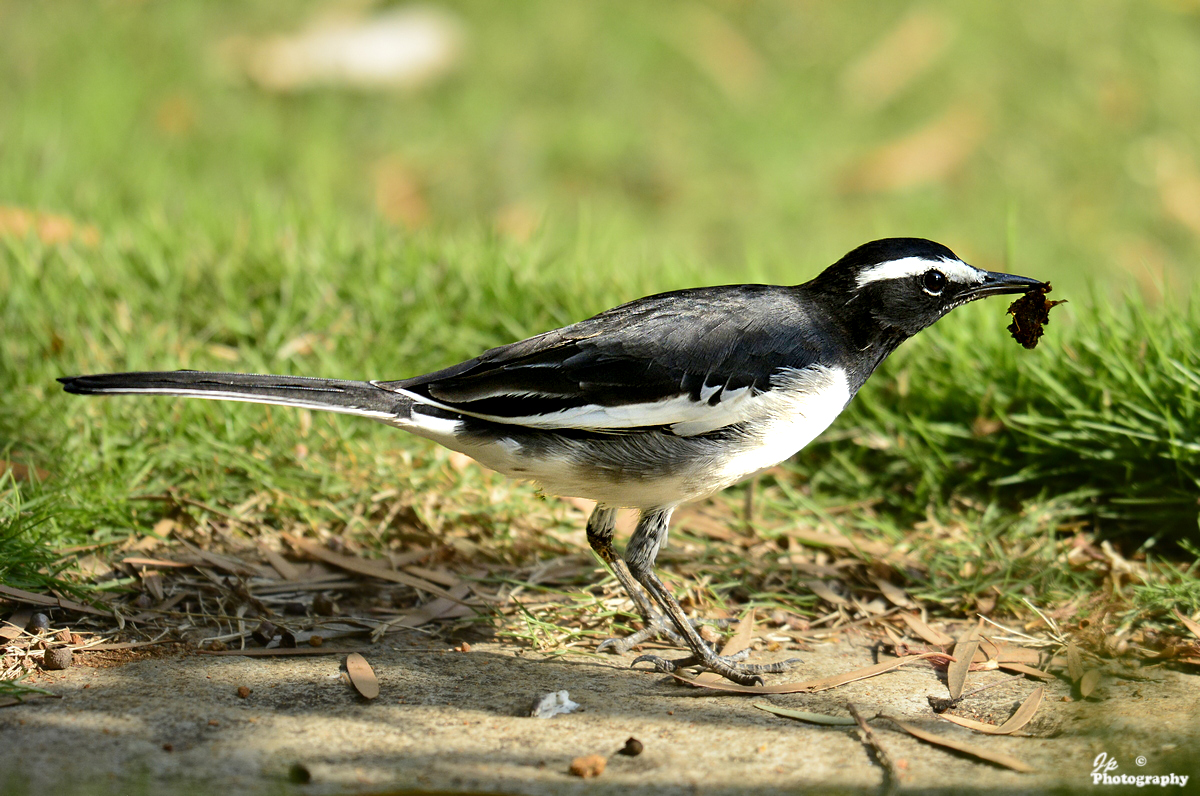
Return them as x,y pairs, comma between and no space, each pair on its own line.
906,284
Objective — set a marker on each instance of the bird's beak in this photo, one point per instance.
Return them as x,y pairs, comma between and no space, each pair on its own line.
996,284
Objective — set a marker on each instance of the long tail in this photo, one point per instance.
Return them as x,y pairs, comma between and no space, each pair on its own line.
332,395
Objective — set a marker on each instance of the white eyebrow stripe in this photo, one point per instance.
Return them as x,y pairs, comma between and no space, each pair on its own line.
955,270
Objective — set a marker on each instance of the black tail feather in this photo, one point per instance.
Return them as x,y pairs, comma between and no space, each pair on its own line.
333,395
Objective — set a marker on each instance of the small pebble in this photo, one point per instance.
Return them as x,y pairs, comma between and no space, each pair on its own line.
315,641
588,766
243,691
167,747
38,623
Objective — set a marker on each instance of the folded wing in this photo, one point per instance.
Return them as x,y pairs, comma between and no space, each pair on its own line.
689,362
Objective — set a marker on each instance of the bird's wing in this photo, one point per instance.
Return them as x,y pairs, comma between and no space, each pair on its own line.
691,362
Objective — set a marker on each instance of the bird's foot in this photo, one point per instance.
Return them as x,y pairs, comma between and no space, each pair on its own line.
656,626
728,666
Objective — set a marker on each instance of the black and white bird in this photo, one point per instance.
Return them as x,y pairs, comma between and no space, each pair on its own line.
654,403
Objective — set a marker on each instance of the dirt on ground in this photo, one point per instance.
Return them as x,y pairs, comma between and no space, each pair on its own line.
448,720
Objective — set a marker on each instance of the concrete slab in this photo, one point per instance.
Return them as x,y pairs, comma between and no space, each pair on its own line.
455,721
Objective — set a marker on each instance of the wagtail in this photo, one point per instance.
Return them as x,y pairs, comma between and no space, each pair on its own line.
654,403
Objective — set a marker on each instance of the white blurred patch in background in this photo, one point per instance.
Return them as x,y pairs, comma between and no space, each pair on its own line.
402,48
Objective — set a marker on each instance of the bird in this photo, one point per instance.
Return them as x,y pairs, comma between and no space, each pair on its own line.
663,400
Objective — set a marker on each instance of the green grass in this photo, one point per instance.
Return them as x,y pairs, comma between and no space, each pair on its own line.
239,230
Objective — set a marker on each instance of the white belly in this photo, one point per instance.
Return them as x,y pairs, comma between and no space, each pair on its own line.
660,470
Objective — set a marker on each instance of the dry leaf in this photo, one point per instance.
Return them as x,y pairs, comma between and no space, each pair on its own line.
1074,662
859,547
809,686
964,654
935,637
930,155
17,222
1029,670
1022,716
1088,682
286,569
155,562
1010,653
999,758
517,221
22,472
152,580
362,677
227,563
812,718
827,594
905,53
894,594
15,625
29,598
721,51
440,577
741,637
1188,623
365,567
399,194
175,115
434,609
1178,184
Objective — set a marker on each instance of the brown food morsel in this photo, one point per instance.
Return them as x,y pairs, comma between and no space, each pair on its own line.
57,658
632,748
1030,313
265,632
323,605
243,691
38,623
588,766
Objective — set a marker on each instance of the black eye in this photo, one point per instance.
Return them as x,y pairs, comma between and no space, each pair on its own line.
934,282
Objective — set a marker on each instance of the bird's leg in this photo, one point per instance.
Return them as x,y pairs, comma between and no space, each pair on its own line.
600,528
639,555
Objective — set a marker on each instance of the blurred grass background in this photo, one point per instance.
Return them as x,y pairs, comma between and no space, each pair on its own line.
158,210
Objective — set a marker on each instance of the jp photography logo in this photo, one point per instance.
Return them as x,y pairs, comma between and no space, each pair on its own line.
1104,773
